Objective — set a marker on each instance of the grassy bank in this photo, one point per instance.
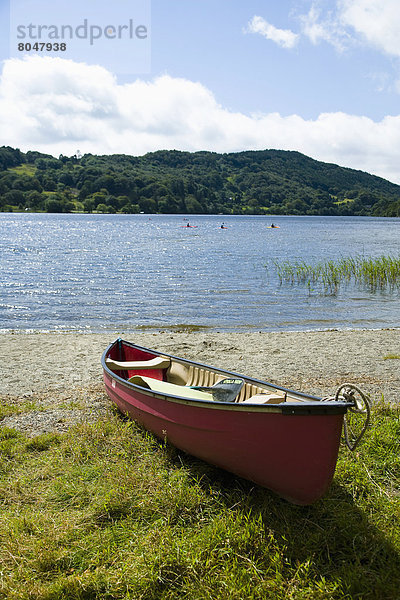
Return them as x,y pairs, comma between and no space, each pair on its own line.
106,511
382,272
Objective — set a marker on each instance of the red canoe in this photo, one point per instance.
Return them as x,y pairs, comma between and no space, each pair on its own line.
278,438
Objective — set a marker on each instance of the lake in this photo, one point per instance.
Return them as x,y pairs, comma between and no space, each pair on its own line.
100,273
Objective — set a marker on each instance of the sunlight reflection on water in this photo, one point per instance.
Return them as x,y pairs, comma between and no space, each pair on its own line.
108,272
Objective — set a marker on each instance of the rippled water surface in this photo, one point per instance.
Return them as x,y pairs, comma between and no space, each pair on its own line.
130,272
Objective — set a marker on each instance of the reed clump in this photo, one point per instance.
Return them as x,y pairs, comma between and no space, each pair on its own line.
375,273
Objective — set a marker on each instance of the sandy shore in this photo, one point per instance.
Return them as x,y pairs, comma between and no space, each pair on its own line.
57,378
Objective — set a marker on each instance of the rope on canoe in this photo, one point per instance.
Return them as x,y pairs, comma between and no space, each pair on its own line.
360,404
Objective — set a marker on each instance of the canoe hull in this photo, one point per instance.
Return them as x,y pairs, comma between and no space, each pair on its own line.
292,454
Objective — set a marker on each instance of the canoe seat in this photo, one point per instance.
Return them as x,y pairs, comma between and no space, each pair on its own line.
159,362
188,374
164,387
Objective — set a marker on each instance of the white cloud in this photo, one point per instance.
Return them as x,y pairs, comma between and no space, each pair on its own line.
324,28
57,106
378,21
312,27
282,37
341,23
350,22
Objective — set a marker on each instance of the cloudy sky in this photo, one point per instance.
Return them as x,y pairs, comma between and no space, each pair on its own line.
318,76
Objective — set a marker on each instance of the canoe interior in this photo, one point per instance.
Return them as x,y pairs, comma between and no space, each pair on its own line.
187,373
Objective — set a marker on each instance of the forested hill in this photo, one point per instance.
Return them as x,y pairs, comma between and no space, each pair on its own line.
253,182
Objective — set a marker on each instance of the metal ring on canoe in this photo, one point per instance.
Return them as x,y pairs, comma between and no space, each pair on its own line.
360,405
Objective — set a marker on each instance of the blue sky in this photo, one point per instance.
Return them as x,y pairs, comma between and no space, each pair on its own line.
205,41
318,76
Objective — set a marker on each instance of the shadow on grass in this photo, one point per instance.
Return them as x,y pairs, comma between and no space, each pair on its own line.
349,541
335,539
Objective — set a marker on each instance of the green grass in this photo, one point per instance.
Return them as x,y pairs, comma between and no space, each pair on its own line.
344,201
382,272
108,512
7,408
25,169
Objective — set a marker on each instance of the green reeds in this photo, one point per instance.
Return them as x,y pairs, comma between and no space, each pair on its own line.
382,272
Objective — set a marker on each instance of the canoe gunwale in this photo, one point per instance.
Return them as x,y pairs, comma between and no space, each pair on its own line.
309,405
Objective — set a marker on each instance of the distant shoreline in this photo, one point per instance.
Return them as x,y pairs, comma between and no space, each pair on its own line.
186,214
189,329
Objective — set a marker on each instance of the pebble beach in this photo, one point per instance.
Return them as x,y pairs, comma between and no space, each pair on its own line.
54,380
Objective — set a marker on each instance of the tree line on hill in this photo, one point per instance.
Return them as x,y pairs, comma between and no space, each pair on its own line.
272,182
